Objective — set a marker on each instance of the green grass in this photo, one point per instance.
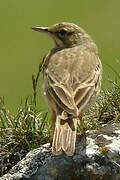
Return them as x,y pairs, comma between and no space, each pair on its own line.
18,135
23,132
30,127
106,109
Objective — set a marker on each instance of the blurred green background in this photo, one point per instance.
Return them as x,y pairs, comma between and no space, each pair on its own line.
22,49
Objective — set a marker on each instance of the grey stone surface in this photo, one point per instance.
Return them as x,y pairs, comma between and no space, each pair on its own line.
97,157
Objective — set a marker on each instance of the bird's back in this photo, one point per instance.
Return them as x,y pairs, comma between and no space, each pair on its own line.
72,64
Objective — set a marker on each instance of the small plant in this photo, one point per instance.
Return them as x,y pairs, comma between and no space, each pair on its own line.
35,81
106,108
21,133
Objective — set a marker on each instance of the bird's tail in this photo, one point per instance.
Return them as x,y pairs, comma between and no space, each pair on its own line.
64,136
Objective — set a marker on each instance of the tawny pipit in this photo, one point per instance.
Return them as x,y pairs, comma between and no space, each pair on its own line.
72,75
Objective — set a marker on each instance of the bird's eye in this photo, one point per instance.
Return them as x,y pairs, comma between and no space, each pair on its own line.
62,32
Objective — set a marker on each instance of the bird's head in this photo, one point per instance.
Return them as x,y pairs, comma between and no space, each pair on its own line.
65,34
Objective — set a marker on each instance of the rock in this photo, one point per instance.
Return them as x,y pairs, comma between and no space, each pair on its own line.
97,157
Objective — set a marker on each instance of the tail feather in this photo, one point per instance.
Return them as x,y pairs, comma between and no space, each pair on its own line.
64,136
57,140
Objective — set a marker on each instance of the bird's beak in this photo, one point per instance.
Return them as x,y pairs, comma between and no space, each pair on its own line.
41,29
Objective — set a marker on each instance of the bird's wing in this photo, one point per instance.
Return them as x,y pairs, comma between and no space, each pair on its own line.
62,96
72,77
86,92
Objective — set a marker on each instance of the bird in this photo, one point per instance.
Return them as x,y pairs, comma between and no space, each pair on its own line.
72,74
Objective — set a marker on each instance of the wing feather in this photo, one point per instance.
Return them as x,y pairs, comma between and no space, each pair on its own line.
72,84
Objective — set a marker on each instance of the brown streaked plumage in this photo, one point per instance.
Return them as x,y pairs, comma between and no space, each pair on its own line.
72,75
